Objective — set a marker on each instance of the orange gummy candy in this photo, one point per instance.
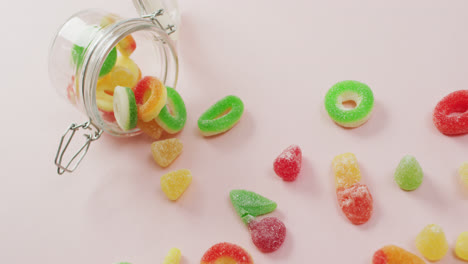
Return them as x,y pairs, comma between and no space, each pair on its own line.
166,151
150,128
395,255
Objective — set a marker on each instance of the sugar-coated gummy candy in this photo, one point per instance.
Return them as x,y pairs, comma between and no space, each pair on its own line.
125,108
173,257
451,115
431,242
150,128
288,164
173,116
151,96
463,171
356,202
409,174
221,116
249,204
166,151
78,56
125,73
128,44
345,91
226,253
461,247
346,170
267,234
395,255
174,184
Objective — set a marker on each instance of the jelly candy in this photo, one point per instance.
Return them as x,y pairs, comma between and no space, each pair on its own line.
173,116
451,115
461,247
127,45
408,174
288,164
125,73
463,171
175,183
395,255
226,253
78,53
105,94
173,257
431,242
345,91
346,170
247,203
125,108
150,128
267,234
151,96
166,151
221,116
356,203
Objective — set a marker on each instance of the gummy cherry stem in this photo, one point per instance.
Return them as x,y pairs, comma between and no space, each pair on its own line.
247,219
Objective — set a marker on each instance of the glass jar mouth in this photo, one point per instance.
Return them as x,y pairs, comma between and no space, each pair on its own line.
97,52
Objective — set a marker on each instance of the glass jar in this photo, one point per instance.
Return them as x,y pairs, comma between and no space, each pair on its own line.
94,51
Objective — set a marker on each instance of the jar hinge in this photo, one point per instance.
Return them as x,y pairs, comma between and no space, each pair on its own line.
153,16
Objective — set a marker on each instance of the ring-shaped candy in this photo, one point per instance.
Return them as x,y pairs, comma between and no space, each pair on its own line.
221,116
345,91
173,116
150,96
450,114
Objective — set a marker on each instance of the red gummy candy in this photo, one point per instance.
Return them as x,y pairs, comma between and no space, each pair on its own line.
379,257
451,115
356,203
268,234
226,251
288,164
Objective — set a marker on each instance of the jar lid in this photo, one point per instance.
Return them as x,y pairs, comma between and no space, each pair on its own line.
165,14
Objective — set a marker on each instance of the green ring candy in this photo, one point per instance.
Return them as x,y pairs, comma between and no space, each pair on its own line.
175,122
221,116
344,91
109,63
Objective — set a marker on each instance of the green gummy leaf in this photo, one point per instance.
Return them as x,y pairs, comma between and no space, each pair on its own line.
249,204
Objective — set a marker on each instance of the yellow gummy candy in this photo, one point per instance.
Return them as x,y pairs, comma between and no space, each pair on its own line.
173,257
125,73
431,242
175,183
461,248
346,170
166,151
463,171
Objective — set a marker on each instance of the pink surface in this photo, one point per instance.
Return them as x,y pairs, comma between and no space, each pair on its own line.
280,57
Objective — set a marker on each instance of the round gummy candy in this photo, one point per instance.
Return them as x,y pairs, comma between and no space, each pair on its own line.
221,116
431,242
288,164
267,234
408,174
450,115
78,53
461,247
356,203
395,255
226,253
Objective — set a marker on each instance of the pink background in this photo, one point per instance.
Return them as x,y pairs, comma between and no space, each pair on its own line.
280,57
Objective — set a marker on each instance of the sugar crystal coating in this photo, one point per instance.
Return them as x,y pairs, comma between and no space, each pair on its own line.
451,115
346,170
174,114
288,164
461,247
226,253
249,204
267,234
174,184
356,203
431,242
151,96
166,151
150,128
463,172
409,174
173,257
395,255
221,116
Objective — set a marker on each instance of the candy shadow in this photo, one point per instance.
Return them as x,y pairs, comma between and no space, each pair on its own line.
375,124
428,192
306,181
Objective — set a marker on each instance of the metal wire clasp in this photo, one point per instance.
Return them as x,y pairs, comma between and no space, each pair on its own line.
153,16
79,155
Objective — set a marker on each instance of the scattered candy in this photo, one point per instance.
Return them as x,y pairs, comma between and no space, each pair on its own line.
395,255
268,234
127,45
150,128
461,247
221,116
173,257
166,151
288,164
125,73
450,115
346,169
173,116
226,253
356,203
175,183
125,108
247,203
78,53
408,174
346,91
463,171
431,242
150,95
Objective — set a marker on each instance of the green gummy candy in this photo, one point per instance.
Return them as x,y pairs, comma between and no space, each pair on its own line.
409,174
78,53
221,116
249,204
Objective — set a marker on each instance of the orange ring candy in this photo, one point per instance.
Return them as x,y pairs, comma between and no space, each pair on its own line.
151,96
